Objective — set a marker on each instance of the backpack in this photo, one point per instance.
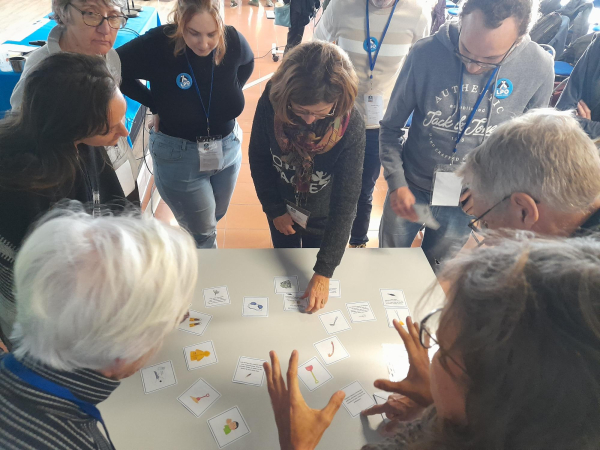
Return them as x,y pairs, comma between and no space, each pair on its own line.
546,28
574,51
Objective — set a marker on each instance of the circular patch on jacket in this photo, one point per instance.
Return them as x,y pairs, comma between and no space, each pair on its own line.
504,88
184,81
374,44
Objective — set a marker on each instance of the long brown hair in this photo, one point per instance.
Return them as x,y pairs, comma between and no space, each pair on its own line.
183,11
312,73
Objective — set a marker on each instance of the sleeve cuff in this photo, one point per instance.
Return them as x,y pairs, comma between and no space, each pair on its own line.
323,269
396,180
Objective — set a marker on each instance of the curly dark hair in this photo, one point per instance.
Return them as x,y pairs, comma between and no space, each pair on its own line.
497,11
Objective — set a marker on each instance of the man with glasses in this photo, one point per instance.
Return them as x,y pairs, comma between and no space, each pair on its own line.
459,84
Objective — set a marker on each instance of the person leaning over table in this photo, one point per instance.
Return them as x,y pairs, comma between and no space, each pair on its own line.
82,26
306,152
529,379
53,148
110,270
197,68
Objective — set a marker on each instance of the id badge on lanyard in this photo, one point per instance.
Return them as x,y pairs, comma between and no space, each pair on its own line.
299,215
447,186
210,149
373,107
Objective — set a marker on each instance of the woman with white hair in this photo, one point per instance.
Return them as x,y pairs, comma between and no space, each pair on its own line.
82,26
96,297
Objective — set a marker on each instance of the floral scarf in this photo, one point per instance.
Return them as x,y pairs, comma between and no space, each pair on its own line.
300,143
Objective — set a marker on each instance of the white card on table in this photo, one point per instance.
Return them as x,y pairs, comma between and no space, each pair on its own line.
286,285
331,350
381,399
395,357
249,371
158,376
313,374
334,322
447,187
199,397
200,355
228,427
399,314
393,298
335,288
356,399
217,296
360,312
295,302
196,323
255,307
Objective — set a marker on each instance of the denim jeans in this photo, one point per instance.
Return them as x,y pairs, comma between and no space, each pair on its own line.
371,170
198,199
298,240
438,245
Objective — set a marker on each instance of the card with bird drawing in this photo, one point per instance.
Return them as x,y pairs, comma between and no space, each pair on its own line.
216,296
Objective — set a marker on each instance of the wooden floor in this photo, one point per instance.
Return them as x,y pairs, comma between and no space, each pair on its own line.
245,225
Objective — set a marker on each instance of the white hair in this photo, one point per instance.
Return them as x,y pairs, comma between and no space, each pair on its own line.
543,153
90,291
61,12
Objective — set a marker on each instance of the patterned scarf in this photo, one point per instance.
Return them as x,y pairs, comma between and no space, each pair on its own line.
300,143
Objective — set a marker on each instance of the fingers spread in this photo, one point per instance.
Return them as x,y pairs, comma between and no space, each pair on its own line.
333,406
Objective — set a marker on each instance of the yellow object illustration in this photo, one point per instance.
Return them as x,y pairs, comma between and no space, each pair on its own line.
199,355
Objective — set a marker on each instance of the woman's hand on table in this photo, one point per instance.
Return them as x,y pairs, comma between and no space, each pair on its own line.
284,224
300,427
317,292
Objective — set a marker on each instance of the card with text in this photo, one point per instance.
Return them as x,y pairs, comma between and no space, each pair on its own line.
295,302
199,397
335,288
360,312
249,371
200,355
331,350
393,298
334,322
357,399
313,374
228,427
217,296
195,323
158,376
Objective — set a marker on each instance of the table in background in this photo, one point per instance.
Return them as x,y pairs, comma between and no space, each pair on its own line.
159,421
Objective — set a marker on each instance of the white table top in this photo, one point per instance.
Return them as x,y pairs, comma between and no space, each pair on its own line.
158,421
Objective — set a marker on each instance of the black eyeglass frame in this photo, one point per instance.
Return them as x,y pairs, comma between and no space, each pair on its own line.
107,18
424,334
466,60
316,116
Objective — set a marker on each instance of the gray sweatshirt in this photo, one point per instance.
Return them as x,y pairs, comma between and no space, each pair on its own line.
429,85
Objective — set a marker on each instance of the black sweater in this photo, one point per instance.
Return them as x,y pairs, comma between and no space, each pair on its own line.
334,190
150,57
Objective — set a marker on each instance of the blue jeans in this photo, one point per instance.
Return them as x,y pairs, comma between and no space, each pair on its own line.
198,199
438,245
371,170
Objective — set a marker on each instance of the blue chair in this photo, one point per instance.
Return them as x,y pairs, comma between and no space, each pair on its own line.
452,11
450,4
596,28
562,69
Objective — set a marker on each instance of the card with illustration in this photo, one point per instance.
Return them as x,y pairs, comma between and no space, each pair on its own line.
158,376
286,285
381,399
331,350
295,302
357,399
399,314
335,288
200,355
313,374
334,322
255,307
393,298
195,323
199,397
228,427
249,371
216,296
360,312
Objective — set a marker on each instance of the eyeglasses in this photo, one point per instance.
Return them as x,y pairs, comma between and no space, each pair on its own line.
473,224
428,334
466,60
304,112
93,19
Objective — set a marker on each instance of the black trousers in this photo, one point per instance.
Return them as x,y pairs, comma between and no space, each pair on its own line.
294,37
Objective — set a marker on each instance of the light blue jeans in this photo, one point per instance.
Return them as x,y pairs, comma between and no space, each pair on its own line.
198,199
438,245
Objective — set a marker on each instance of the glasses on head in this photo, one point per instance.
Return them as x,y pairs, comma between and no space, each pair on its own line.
93,19
428,335
484,65
304,112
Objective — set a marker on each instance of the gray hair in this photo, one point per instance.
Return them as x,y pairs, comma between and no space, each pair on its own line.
90,291
61,12
543,153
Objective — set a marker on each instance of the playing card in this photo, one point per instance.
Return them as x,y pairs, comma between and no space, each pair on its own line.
294,302
335,288
286,285
200,355
399,314
393,298
255,307
199,397
360,312
357,399
217,296
196,323
313,374
331,350
334,322
228,427
158,376
249,371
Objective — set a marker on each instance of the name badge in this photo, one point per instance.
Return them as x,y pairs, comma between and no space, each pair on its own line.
447,186
210,149
299,215
373,108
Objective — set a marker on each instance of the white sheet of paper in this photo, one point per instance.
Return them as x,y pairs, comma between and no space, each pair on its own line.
228,427
216,296
297,216
200,355
395,358
294,302
255,307
373,108
357,399
334,322
331,350
211,155
196,323
286,285
360,312
199,397
335,288
446,189
249,371
393,298
158,376
381,399
397,314
313,374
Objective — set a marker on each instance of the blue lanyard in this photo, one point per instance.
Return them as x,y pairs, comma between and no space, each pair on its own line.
45,385
373,60
212,77
470,118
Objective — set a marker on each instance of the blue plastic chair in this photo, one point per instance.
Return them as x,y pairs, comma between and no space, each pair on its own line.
596,28
562,69
452,11
450,4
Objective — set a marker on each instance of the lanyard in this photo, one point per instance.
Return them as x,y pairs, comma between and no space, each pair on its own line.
45,385
470,118
373,60
212,77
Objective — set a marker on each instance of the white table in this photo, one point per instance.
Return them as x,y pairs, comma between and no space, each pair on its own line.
158,421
